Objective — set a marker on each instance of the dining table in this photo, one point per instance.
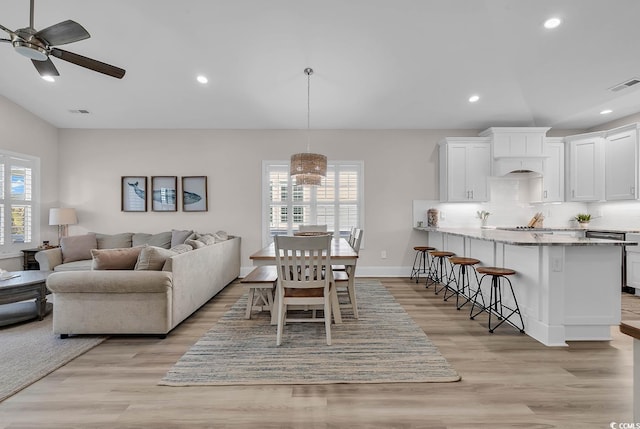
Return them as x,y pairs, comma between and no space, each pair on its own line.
341,254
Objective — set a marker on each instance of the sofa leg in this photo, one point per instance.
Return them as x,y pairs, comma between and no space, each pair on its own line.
64,336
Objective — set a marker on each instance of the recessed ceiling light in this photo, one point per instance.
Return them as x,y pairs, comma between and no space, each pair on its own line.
202,79
474,98
48,78
552,23
606,111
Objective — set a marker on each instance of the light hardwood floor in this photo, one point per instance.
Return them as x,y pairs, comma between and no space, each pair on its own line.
508,380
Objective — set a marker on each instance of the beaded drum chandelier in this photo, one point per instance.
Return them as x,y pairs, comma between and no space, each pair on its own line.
306,167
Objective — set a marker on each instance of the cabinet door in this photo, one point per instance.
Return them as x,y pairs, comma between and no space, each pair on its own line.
633,269
553,173
479,169
457,173
621,166
587,169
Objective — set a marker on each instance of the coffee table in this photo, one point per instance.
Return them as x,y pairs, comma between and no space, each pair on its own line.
16,294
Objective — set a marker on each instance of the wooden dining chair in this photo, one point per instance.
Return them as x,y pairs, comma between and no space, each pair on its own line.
312,228
343,273
304,278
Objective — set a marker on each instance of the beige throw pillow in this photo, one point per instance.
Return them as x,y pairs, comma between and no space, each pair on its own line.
115,259
196,244
77,247
152,258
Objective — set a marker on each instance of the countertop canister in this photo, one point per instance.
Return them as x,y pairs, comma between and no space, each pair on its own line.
432,217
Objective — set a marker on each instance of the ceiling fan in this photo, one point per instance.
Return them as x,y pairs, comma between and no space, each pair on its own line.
39,46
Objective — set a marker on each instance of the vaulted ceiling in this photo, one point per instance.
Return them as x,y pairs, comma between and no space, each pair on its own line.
379,64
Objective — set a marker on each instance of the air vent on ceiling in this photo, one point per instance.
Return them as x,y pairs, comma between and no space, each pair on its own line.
629,83
82,111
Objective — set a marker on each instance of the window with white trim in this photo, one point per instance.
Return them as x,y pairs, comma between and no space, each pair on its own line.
338,202
18,224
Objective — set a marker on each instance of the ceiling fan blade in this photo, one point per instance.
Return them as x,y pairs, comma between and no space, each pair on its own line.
46,68
62,33
13,34
88,63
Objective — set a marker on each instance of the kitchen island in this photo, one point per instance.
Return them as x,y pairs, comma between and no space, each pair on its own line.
568,288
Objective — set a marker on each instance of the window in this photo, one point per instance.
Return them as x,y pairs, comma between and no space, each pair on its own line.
18,226
338,202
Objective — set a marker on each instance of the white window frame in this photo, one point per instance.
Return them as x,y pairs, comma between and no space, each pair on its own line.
7,158
266,200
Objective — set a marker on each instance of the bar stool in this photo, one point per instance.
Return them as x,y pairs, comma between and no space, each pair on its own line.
420,262
462,281
440,274
497,307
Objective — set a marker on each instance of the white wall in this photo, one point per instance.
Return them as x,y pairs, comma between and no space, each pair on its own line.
399,166
23,132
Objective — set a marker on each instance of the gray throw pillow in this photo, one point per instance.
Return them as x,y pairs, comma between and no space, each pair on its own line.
179,237
77,247
181,248
196,244
153,258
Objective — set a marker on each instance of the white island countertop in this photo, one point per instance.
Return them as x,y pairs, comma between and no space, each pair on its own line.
526,238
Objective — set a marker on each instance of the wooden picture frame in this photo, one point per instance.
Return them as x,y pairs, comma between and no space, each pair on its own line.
164,192
133,190
194,194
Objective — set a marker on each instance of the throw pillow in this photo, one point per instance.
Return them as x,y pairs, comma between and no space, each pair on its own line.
221,236
196,244
114,241
77,247
207,239
179,237
162,239
153,258
181,248
115,259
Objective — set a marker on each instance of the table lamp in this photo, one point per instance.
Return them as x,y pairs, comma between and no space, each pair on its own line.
62,217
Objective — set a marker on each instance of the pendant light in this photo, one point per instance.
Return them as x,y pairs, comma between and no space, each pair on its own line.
306,167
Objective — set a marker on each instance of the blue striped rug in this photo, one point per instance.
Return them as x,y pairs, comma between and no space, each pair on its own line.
383,346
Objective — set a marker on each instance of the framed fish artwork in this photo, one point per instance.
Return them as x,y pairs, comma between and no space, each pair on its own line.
134,197
164,191
194,194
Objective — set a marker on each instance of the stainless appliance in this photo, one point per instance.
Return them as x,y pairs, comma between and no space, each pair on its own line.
615,235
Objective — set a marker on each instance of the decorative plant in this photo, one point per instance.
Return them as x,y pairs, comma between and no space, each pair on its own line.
483,215
583,217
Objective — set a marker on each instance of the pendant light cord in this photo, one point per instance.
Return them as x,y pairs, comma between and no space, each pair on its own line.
308,72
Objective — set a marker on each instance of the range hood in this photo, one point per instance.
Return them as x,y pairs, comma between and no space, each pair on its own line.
522,167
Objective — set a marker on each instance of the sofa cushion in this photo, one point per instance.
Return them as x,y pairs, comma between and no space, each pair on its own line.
77,247
179,236
115,259
84,265
221,236
114,241
162,239
153,258
207,239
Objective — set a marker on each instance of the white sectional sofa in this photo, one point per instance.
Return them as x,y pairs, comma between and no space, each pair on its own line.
145,300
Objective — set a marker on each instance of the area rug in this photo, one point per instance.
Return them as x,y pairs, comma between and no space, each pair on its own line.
30,351
383,346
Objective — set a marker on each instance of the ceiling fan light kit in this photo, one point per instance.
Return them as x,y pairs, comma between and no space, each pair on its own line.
38,46
306,167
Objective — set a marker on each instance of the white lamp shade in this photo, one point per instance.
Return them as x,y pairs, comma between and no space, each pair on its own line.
62,216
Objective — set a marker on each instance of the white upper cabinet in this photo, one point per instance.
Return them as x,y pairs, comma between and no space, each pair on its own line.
465,165
509,142
553,171
621,164
586,167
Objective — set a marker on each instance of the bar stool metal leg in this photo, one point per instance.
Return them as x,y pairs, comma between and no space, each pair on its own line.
497,306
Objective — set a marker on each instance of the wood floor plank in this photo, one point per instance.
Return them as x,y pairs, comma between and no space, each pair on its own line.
508,380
